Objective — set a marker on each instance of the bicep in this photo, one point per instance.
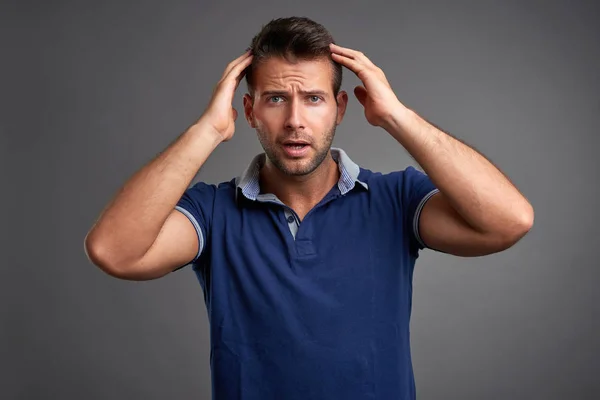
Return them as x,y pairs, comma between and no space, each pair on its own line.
176,245
441,228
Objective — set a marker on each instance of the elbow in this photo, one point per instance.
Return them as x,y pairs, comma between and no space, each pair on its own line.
107,260
525,221
521,225
99,256
102,257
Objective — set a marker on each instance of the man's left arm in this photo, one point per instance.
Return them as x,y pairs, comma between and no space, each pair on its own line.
478,210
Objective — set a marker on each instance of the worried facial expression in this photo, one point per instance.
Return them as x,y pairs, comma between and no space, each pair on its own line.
295,112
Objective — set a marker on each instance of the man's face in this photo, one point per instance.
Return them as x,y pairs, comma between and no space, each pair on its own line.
294,112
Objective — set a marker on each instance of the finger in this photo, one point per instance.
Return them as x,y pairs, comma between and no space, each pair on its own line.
239,71
232,80
355,66
236,70
229,84
235,62
353,54
343,50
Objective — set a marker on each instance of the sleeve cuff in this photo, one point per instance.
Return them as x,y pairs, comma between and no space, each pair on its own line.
418,216
198,230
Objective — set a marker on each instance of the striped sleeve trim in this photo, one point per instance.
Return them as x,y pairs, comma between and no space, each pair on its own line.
418,216
198,230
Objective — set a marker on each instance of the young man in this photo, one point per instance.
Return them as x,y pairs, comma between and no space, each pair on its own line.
306,259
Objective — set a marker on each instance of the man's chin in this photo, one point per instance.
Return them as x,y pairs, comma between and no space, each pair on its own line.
294,169
295,166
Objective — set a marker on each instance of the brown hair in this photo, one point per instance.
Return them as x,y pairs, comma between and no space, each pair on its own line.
292,38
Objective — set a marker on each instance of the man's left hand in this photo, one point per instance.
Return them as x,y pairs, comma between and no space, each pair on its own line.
376,96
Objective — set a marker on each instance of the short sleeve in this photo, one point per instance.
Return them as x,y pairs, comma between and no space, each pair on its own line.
416,188
196,204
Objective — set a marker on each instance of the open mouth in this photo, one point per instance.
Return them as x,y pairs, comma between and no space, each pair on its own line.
296,149
295,146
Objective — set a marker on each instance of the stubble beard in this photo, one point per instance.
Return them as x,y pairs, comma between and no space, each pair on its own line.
295,167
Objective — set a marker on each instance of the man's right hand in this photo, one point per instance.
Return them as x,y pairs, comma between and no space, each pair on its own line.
220,114
140,235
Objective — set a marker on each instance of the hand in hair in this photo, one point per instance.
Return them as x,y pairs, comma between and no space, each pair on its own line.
220,113
376,96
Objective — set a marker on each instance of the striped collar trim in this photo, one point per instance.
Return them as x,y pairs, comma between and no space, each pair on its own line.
248,182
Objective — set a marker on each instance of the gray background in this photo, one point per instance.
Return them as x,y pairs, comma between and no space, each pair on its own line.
91,91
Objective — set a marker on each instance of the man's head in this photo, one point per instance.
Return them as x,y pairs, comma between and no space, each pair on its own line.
294,93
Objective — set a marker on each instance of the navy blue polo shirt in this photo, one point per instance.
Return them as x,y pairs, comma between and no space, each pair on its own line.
317,309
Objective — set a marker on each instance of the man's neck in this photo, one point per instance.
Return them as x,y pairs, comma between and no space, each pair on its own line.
300,191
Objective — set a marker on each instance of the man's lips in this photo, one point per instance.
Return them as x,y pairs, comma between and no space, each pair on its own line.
295,148
295,143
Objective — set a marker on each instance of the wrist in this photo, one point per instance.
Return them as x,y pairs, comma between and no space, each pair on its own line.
399,119
207,132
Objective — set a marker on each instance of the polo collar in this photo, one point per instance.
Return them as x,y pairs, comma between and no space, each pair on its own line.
248,182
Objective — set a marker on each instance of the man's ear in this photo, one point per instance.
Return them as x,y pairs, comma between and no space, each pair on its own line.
342,102
248,103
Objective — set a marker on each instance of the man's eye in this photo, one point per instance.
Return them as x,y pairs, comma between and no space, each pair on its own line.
314,99
274,99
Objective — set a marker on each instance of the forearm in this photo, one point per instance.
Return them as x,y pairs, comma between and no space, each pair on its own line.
131,222
476,189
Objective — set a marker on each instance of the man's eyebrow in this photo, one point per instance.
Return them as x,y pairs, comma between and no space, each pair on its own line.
284,92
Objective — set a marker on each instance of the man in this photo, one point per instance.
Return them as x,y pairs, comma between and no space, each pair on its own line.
306,259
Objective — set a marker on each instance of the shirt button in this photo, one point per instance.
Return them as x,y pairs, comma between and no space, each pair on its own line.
290,219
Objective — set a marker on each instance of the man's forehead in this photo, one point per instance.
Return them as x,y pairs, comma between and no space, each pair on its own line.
279,73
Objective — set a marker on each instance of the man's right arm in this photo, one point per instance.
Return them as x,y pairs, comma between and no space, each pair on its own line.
140,235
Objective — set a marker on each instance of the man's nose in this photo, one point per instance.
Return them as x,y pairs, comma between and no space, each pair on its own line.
294,115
